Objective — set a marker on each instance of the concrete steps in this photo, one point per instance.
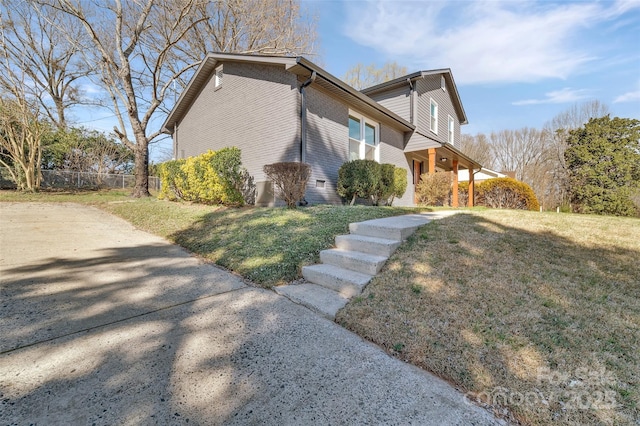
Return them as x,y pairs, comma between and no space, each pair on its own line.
397,228
364,244
354,260
348,268
343,281
315,297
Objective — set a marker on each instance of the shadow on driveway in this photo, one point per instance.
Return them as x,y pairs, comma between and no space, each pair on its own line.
127,329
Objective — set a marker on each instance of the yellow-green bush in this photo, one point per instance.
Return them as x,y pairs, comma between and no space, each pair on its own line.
172,178
463,193
506,193
214,177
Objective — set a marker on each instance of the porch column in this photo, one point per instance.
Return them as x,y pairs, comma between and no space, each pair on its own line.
432,160
454,195
470,203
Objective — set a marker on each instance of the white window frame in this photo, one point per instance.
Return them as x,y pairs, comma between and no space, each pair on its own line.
218,77
362,144
451,129
433,118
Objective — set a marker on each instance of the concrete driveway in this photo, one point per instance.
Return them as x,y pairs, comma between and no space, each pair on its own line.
101,324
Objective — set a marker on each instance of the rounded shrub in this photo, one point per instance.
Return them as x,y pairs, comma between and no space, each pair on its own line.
358,178
506,193
400,183
209,178
290,180
434,189
384,190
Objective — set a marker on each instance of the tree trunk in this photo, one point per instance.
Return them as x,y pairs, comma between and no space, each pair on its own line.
141,170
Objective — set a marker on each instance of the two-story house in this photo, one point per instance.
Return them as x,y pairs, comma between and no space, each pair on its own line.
289,109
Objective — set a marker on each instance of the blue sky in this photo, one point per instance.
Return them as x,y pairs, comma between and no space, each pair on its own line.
516,63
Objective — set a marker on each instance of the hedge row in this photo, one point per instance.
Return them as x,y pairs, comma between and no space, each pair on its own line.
210,178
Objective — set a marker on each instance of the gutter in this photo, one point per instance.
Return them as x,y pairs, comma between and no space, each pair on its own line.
359,95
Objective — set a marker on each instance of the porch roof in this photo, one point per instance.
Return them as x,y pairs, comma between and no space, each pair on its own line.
445,155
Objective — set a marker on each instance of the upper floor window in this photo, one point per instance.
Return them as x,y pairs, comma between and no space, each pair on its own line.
433,124
363,138
452,128
218,77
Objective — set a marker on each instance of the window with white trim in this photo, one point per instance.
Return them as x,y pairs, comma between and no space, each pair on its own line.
364,138
218,77
433,124
452,128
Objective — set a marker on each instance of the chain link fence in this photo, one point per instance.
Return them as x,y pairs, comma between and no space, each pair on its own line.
84,180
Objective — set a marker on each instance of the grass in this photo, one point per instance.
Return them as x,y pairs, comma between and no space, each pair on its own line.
536,315
268,246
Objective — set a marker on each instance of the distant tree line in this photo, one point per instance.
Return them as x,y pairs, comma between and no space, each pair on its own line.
581,160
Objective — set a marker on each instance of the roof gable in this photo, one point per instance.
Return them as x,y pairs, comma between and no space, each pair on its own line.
445,72
296,65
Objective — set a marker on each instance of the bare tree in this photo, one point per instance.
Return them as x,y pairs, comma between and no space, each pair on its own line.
478,148
518,150
557,131
21,130
266,27
361,76
142,47
49,59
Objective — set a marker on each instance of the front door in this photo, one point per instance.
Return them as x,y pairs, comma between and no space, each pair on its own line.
417,171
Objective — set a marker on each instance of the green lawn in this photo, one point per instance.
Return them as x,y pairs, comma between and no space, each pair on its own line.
268,246
535,313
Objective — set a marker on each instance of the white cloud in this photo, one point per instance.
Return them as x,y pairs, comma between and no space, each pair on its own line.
562,96
628,97
91,89
482,41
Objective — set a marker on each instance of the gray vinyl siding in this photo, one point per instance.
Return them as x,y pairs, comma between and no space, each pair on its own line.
418,142
327,144
391,151
255,109
429,88
397,100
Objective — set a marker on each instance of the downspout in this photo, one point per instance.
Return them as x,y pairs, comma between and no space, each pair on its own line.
303,118
303,125
175,140
411,96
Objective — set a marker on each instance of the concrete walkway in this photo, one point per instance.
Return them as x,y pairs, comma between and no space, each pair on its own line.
103,324
358,256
